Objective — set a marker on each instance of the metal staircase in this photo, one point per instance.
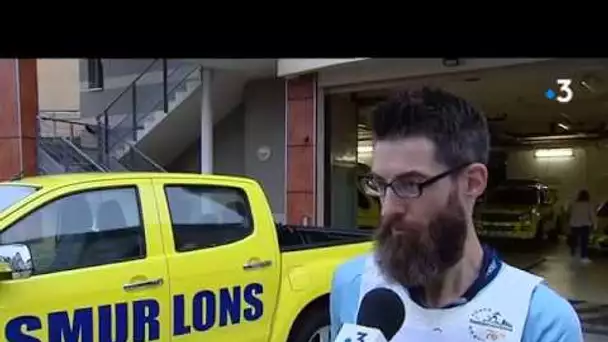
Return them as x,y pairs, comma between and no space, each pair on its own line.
59,152
122,131
108,141
70,159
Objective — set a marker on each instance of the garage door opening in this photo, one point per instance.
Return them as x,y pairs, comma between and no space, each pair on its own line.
549,128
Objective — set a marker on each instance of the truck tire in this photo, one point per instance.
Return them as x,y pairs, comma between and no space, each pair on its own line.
311,326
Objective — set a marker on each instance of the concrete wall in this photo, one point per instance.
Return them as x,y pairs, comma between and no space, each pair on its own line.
58,84
265,127
258,123
228,148
120,73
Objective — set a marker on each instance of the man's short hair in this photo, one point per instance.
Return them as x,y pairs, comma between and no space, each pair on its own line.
459,131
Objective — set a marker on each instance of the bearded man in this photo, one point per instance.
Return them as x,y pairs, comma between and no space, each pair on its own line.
429,167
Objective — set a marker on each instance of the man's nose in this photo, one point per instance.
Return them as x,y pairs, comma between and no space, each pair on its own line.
392,203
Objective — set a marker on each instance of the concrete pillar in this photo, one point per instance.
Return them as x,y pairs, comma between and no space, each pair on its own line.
18,112
301,150
206,154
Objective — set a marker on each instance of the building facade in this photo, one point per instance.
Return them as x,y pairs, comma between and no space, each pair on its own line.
295,125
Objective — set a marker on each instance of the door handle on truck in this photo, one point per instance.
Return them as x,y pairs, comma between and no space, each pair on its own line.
142,284
255,264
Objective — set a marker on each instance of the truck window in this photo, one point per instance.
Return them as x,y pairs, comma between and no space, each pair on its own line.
205,216
80,230
513,196
11,194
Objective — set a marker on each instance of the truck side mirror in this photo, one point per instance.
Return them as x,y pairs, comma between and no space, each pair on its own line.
15,262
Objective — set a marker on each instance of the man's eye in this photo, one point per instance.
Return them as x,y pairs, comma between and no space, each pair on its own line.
405,184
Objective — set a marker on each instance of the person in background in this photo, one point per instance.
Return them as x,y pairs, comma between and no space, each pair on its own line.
581,222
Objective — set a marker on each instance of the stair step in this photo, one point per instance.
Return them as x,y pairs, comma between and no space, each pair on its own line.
149,121
191,84
180,96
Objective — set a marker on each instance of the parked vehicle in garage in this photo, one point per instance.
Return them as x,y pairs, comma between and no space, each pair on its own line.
520,209
160,257
368,210
599,238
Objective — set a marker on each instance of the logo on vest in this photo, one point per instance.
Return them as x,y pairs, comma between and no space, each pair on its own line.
488,325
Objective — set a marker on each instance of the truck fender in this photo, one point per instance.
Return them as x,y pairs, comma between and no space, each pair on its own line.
316,309
284,330
295,305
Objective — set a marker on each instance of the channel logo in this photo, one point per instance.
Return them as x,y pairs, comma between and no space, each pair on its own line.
564,93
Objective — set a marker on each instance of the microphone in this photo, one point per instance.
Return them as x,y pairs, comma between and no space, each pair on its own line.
380,316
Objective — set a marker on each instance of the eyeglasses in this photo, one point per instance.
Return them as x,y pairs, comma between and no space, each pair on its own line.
403,188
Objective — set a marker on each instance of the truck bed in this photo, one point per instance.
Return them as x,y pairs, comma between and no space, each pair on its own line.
297,238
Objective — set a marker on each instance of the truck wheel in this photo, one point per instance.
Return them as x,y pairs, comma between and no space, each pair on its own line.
313,327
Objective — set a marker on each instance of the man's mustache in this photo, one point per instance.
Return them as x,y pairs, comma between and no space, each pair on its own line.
414,252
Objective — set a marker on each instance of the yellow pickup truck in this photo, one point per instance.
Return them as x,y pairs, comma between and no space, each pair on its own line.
160,257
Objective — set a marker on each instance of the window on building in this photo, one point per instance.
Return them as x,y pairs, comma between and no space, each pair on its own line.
84,229
95,73
205,217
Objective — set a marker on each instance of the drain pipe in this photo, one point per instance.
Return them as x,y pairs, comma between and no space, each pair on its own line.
19,123
206,154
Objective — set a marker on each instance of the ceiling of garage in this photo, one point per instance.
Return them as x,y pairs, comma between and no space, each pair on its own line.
513,97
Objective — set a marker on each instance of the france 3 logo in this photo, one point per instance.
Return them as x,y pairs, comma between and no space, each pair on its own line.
564,93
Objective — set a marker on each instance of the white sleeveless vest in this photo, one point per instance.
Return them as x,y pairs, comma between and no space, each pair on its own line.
498,313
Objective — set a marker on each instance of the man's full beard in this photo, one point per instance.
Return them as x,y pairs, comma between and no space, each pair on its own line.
414,255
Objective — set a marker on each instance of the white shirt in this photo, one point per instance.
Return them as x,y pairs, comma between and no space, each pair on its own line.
581,214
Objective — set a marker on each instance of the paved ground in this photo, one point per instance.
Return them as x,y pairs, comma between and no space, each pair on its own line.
594,317
586,286
595,338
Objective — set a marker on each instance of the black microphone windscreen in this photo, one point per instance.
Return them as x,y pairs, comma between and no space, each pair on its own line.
382,309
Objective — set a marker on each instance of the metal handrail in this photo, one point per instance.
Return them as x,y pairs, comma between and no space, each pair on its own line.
77,123
59,111
45,157
127,88
102,126
84,155
179,83
163,99
89,159
143,155
122,138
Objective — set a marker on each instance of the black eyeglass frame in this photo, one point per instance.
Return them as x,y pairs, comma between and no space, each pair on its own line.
420,186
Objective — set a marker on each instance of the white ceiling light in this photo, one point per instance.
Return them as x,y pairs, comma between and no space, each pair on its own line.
554,153
587,86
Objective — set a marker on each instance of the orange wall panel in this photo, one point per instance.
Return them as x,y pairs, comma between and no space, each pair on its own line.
18,112
301,147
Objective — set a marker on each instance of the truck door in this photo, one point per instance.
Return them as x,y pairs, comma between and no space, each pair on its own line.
96,273
223,260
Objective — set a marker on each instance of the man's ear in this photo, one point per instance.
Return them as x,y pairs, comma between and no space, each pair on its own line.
476,180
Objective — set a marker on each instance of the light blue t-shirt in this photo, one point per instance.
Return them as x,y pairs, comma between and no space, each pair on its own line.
551,318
